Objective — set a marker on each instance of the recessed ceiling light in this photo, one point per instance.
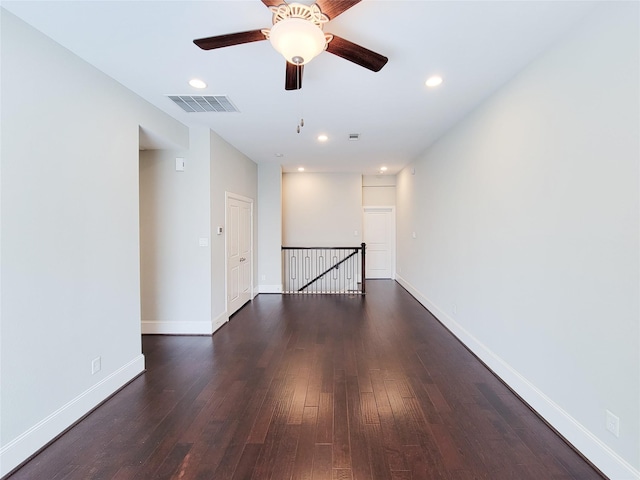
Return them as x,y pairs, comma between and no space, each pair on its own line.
322,138
383,169
301,169
197,83
433,81
279,155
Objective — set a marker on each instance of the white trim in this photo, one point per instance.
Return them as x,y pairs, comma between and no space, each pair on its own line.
176,328
219,321
379,208
22,447
150,327
603,457
269,288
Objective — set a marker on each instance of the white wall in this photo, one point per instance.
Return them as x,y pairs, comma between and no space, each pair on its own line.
183,283
527,223
270,228
232,172
70,237
378,190
322,209
174,217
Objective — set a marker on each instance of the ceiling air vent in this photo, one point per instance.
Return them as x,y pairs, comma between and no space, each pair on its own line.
204,103
354,137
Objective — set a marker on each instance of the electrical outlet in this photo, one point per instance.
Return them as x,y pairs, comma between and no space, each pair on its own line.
96,365
613,423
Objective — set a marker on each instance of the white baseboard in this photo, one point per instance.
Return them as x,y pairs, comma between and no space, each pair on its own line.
598,453
184,328
219,321
269,288
176,328
25,445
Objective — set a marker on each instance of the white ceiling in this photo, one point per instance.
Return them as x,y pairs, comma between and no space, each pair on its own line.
475,45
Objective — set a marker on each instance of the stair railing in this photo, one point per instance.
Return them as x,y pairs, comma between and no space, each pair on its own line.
324,270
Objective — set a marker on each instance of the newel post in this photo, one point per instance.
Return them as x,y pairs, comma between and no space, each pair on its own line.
363,246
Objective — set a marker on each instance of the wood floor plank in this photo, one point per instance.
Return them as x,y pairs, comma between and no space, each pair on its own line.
303,466
286,453
341,449
360,452
244,415
277,431
197,458
230,401
378,453
313,387
215,449
299,397
389,427
265,414
162,440
449,451
174,462
369,408
342,474
402,418
247,462
213,401
418,459
324,433
322,463
437,399
401,475
128,472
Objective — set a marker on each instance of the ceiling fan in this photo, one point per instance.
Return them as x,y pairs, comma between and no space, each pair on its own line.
297,33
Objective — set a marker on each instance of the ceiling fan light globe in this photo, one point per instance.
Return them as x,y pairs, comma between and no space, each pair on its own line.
297,39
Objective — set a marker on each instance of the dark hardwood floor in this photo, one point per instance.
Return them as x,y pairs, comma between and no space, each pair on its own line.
313,387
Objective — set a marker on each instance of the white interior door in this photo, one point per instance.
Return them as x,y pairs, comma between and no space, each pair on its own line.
239,252
379,235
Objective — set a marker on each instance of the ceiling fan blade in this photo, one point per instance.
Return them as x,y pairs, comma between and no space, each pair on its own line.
293,77
229,39
356,54
333,8
273,3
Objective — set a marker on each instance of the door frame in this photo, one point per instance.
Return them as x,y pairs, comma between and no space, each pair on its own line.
392,210
250,201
